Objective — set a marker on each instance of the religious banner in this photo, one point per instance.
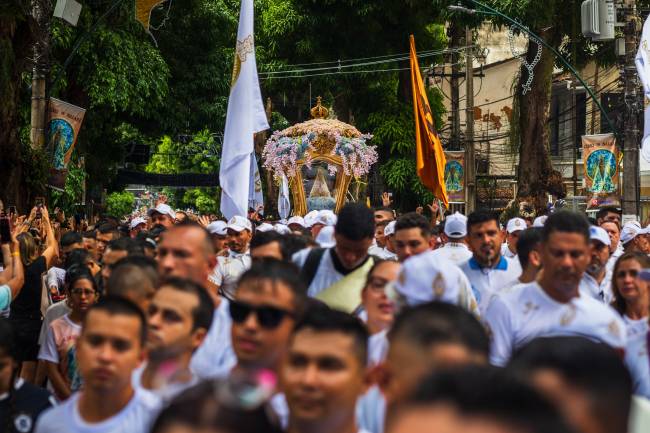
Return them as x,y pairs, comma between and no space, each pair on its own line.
455,176
65,123
600,158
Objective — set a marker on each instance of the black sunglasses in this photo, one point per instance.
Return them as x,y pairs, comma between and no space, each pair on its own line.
268,317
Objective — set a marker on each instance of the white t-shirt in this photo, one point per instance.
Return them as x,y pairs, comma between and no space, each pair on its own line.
377,347
382,253
136,417
229,269
601,292
636,355
55,277
53,312
371,411
328,272
215,357
165,393
486,282
455,252
519,316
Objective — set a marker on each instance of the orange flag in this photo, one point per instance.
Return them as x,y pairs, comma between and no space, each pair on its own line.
430,158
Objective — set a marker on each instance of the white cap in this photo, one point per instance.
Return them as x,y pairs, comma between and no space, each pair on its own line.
325,237
426,277
239,223
516,225
282,229
389,230
631,230
540,221
264,227
296,220
456,225
136,222
217,228
326,217
163,209
310,218
599,234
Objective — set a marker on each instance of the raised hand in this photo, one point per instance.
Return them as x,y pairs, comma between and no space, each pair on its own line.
386,201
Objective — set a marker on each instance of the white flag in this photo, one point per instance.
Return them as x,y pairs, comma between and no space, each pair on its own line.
284,205
245,117
255,194
643,68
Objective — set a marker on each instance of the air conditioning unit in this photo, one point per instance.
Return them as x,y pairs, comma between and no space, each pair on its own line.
607,20
590,18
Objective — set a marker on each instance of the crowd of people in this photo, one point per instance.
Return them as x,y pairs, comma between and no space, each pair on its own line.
363,321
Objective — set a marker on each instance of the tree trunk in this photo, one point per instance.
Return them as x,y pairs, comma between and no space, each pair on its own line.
536,177
15,42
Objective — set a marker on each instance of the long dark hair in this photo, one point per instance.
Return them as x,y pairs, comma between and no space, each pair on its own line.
619,303
81,273
8,348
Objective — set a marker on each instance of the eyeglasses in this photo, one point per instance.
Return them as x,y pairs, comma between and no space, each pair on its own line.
268,317
632,273
82,292
377,285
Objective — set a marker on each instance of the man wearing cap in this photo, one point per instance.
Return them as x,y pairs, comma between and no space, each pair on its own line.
218,234
455,250
596,281
162,215
228,269
296,224
513,229
383,244
137,225
633,238
324,218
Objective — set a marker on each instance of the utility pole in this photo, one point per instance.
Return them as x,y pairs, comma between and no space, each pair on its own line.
470,160
631,135
454,84
42,13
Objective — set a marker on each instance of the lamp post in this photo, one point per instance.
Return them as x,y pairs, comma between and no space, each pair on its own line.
487,10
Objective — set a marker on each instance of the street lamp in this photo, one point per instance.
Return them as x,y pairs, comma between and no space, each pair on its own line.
487,10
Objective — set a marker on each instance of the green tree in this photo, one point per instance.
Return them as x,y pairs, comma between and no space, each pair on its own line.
120,204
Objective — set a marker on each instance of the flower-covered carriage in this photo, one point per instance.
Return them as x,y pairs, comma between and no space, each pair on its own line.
320,158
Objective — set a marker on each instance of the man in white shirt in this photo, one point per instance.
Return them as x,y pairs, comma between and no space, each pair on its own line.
110,347
186,251
597,281
219,235
614,232
162,215
412,236
228,269
553,305
325,270
179,317
487,271
324,373
529,257
513,230
454,249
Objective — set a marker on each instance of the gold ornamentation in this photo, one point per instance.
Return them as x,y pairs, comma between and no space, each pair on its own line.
439,286
568,317
319,112
242,50
613,329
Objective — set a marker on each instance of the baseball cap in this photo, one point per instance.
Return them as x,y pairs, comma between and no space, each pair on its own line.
631,230
163,209
310,218
540,221
239,223
264,227
296,220
136,222
326,217
389,230
516,224
217,228
599,234
456,225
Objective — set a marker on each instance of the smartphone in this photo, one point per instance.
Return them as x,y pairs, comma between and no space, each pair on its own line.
39,202
5,232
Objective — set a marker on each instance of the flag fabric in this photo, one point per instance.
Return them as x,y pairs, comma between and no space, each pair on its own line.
284,205
255,194
643,68
430,158
65,123
244,118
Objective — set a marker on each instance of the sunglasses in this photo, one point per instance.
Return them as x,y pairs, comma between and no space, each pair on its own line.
268,317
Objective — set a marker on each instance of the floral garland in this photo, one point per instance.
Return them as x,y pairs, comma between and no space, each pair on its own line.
282,153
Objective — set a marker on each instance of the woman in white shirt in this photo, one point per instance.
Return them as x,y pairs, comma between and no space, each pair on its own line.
632,301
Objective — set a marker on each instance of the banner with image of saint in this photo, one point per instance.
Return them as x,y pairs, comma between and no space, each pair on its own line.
455,176
65,123
600,158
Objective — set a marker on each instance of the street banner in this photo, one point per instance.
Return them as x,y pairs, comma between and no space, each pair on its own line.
600,158
65,123
430,158
245,117
643,68
255,195
455,176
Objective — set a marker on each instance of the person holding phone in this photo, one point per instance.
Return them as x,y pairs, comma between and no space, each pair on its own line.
12,278
26,307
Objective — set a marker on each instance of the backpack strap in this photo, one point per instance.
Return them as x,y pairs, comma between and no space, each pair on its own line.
309,269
